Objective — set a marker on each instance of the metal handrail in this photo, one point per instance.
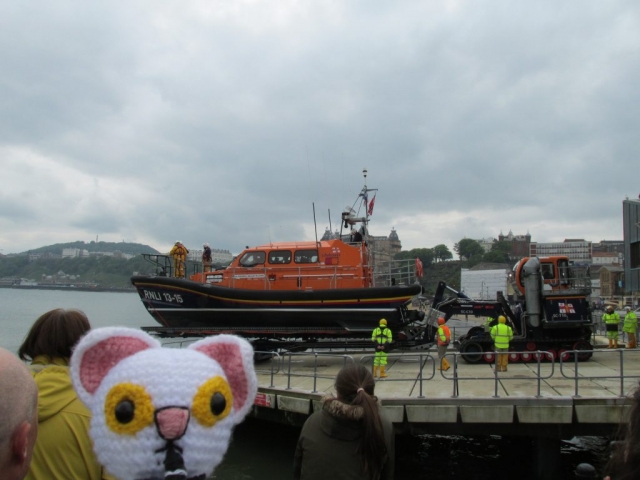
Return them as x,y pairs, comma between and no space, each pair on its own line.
539,355
576,365
315,367
423,358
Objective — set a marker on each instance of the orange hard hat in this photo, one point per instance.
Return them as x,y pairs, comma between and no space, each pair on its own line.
441,321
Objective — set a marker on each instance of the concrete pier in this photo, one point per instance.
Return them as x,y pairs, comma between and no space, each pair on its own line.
541,399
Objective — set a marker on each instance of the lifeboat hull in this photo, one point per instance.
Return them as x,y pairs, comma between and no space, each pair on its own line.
181,303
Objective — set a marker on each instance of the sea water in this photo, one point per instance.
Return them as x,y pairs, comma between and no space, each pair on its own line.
263,451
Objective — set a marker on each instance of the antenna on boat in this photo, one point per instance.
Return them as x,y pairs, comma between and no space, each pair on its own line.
315,225
330,228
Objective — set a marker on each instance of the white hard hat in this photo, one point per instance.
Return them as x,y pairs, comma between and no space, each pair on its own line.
205,245
178,241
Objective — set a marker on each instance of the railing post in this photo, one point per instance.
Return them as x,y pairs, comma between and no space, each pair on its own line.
420,377
315,372
621,373
289,373
575,373
456,390
272,374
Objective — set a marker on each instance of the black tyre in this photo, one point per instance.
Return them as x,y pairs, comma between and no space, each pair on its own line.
587,348
475,332
472,352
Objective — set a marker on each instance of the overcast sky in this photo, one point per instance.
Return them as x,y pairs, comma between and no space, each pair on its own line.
227,121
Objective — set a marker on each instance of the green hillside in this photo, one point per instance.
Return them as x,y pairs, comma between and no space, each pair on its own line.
106,271
124,247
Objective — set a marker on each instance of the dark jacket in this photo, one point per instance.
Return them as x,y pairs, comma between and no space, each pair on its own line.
328,442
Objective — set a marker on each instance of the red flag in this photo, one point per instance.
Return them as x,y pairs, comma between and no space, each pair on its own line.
373,200
419,268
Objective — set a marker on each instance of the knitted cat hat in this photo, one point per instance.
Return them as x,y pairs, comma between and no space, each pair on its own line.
162,413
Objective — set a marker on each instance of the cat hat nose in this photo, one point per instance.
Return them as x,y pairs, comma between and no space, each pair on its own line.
172,422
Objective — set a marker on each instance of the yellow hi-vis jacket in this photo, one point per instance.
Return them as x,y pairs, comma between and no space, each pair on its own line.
381,335
501,334
444,335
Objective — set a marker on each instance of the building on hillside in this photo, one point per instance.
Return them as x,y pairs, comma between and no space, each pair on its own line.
218,256
606,258
519,244
383,250
631,229
330,236
616,246
611,282
486,243
40,256
74,253
578,250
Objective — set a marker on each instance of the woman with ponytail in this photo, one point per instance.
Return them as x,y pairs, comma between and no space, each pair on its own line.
349,438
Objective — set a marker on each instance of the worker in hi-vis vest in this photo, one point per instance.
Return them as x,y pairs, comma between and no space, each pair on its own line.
502,334
611,320
381,336
444,338
630,327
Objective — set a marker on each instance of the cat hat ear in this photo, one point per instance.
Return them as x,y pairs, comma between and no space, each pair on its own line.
99,351
235,356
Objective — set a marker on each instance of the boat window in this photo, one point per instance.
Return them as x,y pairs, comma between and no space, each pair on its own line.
547,271
306,256
563,270
250,259
280,257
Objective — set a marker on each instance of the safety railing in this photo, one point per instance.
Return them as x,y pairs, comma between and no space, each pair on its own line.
539,356
284,364
541,369
421,358
620,377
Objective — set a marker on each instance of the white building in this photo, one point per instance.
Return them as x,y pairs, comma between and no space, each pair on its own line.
483,284
74,253
605,258
578,250
218,256
486,243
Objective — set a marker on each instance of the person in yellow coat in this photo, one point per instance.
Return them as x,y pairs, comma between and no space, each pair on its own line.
63,448
179,253
502,334
444,338
630,326
611,320
381,337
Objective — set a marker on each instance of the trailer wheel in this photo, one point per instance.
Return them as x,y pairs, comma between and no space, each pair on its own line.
514,357
564,355
526,357
471,352
475,332
583,345
545,356
489,357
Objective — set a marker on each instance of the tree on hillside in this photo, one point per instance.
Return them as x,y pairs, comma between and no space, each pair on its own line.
442,253
426,255
468,248
499,253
